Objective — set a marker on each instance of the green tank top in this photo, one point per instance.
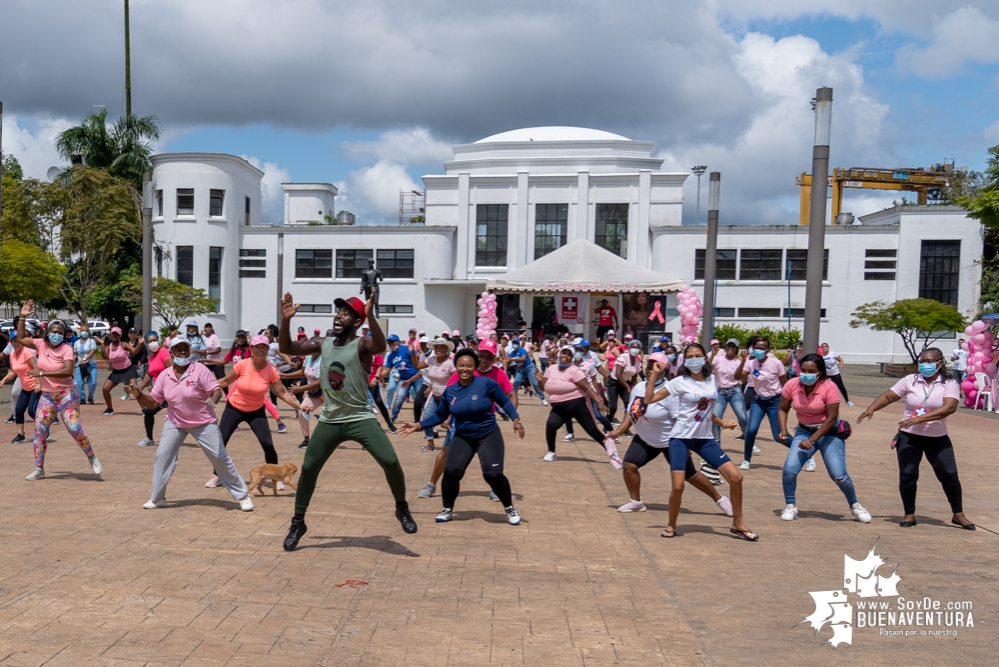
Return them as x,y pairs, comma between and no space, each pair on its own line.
345,384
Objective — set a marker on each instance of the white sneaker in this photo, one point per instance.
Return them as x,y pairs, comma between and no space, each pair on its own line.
544,401
550,456
863,516
725,504
147,442
810,466
212,482
95,465
756,450
512,515
790,513
568,437
427,491
444,516
493,497
850,403
744,465
154,504
632,506
246,504
281,486
37,473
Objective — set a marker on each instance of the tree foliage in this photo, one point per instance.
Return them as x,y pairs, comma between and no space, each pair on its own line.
983,204
172,301
780,339
113,300
122,148
32,210
12,168
912,319
27,272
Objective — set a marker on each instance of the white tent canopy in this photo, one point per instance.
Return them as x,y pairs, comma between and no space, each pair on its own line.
582,266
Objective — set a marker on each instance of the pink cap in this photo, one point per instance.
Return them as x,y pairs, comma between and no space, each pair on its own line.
259,339
628,336
487,346
715,341
660,357
455,333
116,330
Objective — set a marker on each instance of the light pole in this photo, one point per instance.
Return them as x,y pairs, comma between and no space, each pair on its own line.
710,261
700,169
817,218
147,252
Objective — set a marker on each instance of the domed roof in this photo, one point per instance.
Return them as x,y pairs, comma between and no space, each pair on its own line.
553,133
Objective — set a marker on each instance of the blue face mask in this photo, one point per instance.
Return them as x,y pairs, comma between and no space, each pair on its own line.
928,368
808,379
84,334
759,354
577,356
55,338
182,361
561,365
671,357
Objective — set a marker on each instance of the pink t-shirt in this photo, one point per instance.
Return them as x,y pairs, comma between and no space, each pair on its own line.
52,360
560,384
186,395
157,362
811,409
118,356
494,373
766,375
917,393
376,363
725,369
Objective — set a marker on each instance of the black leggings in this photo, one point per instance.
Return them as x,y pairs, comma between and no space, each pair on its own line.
940,453
490,449
578,409
231,418
838,381
419,403
148,419
615,390
26,402
376,396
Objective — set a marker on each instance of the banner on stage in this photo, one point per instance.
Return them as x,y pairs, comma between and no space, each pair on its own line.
572,308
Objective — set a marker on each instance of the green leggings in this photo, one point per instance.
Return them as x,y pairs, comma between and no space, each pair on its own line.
324,441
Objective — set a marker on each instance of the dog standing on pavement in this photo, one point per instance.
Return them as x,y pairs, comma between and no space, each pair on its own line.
275,473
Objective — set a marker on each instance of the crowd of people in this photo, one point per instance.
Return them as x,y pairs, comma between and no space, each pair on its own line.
674,400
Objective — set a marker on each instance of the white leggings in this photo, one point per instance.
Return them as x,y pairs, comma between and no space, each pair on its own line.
210,439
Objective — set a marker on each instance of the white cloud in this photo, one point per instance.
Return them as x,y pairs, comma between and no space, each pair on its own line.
411,146
991,133
271,194
375,192
36,150
965,34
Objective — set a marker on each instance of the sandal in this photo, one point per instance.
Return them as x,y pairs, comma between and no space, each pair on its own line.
745,534
668,533
966,526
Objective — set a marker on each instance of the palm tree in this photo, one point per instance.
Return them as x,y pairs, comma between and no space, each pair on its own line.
121,149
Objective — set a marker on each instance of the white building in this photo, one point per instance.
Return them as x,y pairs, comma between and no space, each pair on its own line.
508,200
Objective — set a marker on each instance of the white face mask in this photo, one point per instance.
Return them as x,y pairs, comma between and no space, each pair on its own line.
154,345
634,351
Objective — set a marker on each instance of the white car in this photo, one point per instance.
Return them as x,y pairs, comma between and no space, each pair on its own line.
97,329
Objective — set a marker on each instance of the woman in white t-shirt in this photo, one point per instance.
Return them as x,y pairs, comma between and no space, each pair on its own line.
834,363
695,389
439,368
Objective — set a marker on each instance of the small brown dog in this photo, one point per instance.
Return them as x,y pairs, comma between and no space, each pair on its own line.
273,472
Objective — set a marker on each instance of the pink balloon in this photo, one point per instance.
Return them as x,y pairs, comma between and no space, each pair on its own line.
991,368
979,339
968,403
969,331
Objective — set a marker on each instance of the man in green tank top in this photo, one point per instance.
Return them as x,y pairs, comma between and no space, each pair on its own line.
346,415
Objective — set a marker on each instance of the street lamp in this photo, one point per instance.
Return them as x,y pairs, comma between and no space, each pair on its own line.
700,169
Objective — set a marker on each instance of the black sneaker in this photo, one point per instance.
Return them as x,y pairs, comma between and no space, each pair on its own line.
405,518
17,438
10,420
295,533
504,416
393,430
305,443
108,412
90,401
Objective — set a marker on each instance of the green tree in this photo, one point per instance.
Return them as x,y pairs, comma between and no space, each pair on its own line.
32,210
12,168
123,148
172,301
912,319
113,300
27,272
983,204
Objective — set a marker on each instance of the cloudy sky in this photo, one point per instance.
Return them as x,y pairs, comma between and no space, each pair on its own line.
371,95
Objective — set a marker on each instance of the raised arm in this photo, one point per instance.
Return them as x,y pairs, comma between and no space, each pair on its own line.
285,344
651,395
27,310
375,343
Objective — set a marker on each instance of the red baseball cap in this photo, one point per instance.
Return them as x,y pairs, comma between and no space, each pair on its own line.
353,303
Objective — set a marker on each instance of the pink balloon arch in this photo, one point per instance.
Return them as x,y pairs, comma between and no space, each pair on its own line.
485,326
983,351
690,314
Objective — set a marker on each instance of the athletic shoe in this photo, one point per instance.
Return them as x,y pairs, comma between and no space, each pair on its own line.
305,443
147,442
9,420
17,438
282,427
95,465
810,466
504,416
756,450
568,437
790,513
512,515
281,486
212,482
741,436
616,422
154,504
550,456
493,497
124,397
246,503
544,401
427,491
444,516
37,473
404,516
850,403
725,504
632,506
109,412
863,516
393,430
744,465
295,533
90,401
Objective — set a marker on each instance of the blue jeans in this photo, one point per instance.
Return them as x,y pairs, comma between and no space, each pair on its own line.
526,372
730,397
393,384
833,456
89,375
412,391
760,407
428,411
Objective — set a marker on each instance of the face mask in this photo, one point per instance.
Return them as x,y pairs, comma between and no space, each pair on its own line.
55,338
182,361
153,345
808,379
671,357
578,356
83,334
633,351
759,354
928,368
561,365
694,364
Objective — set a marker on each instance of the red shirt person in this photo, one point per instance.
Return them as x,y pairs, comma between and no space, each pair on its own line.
608,318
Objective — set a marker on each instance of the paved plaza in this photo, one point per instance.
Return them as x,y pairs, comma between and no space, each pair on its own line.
88,577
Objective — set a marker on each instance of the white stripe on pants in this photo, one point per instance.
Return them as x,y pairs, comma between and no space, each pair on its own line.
210,439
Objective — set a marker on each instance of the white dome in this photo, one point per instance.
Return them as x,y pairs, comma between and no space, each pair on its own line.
553,133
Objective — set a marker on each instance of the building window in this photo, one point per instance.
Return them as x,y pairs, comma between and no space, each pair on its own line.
185,201
724,264
395,263
797,263
252,263
252,274
490,234
939,266
612,228
351,263
799,313
880,263
724,312
759,312
313,263
246,220
253,252
876,275
551,225
760,265
394,310
315,308
185,265
216,201
215,273
159,203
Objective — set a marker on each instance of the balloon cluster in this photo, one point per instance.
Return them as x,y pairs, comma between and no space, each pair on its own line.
982,348
486,324
690,314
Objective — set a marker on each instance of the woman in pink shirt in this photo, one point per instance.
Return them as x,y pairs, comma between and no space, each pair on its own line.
54,373
931,395
728,365
118,353
569,395
815,399
191,392
768,375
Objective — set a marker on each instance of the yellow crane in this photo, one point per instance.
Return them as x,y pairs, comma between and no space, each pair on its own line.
927,183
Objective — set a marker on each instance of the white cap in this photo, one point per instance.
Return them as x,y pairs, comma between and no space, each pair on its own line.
179,340
424,339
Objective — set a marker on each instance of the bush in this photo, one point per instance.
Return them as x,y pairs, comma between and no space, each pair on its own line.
780,339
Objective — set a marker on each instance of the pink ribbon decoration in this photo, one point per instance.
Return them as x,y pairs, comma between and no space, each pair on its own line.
657,313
